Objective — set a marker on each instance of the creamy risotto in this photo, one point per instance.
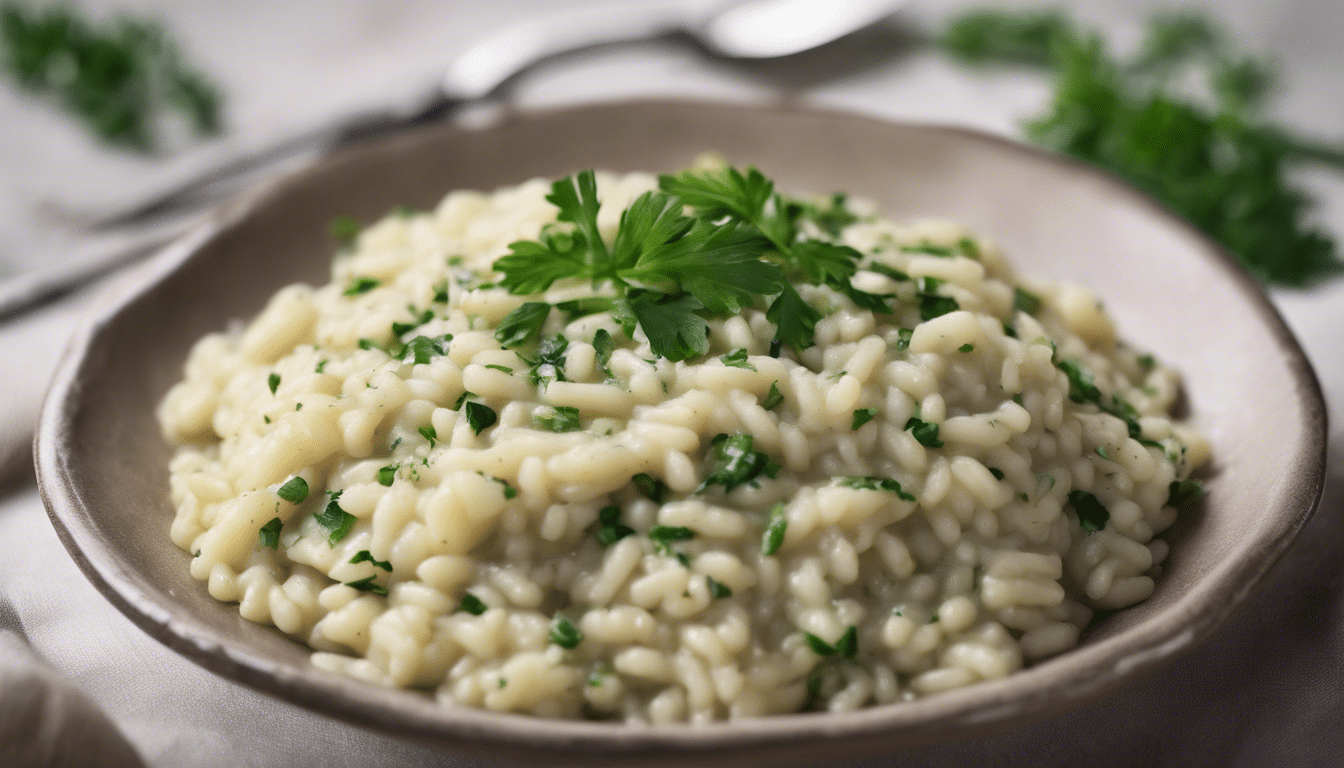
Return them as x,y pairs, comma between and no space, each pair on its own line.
720,455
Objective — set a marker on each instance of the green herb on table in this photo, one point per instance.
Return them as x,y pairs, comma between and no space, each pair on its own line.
121,78
1214,159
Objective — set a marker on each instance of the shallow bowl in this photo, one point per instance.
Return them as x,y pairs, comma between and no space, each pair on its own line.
102,464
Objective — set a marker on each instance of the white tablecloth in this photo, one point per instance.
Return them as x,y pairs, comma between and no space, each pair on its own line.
1266,690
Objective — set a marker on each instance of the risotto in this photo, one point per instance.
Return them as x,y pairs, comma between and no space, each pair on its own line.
696,452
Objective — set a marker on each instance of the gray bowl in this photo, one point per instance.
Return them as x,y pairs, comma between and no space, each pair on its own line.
103,467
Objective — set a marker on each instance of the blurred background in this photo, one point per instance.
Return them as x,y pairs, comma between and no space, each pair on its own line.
281,68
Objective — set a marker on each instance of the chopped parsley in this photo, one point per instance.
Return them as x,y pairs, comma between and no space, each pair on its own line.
501,368
509,491
368,585
773,535
321,366
557,418
1026,301
932,249
903,337
603,346
862,416
664,535
773,397
1083,389
337,521
966,348
609,528
997,473
457,404
295,490
876,484
737,359
429,433
480,416
885,271
364,556
270,533
422,349
736,463
550,363
564,633
522,324
924,432
1092,516
273,381
651,487
419,320
361,285
472,604
847,646
1182,492
717,589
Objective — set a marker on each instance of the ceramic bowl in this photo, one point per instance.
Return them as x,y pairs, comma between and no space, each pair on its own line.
103,465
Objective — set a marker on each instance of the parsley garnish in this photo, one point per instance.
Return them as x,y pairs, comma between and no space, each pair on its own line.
1092,516
1182,492
735,462
501,368
663,535
1210,160
603,345
651,487
344,230
883,269
966,348
609,528
903,336
877,484
422,349
273,381
932,249
270,534
471,604
924,432
564,633
737,359
368,585
361,285
773,535
457,406
718,589
522,324
120,77
557,418
862,416
1083,389
773,397
847,646
418,320
429,433
997,473
509,491
295,490
387,475
337,521
364,556
550,363
480,416
1026,301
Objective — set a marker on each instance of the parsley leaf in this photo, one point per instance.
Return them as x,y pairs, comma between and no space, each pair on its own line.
364,556
603,345
674,329
735,462
368,585
430,433
794,319
1092,516
522,324
422,349
1182,492
848,644
472,604
361,285
663,535
273,381
295,490
1026,301
532,267
576,197
651,487
924,432
550,362
609,528
480,416
717,589
773,535
564,633
862,416
773,397
270,533
877,484
737,359
387,475
557,418
337,521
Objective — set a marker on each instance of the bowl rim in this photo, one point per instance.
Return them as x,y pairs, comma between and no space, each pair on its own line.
1061,683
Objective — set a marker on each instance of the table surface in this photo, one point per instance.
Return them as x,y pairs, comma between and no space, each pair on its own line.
1265,690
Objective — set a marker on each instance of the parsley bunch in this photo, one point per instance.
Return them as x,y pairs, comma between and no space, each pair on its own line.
1215,160
117,78
706,244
